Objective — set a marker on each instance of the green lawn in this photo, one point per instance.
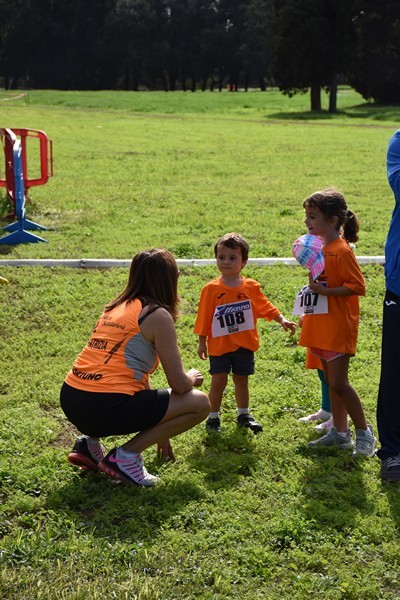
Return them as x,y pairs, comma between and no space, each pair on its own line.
144,172
238,516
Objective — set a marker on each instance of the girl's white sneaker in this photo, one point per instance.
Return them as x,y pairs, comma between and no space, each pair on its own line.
320,415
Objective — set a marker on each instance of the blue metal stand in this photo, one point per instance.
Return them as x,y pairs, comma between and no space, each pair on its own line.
19,228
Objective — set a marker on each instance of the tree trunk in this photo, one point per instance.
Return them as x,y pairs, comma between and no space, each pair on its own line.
220,81
165,82
315,96
333,95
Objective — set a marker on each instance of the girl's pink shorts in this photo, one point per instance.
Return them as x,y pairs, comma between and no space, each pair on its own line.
326,355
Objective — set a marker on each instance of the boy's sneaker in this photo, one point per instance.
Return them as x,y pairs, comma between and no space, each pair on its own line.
333,439
247,420
320,415
365,442
390,468
324,426
84,457
213,425
129,470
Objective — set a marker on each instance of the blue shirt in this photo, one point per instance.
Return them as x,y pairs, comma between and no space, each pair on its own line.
392,246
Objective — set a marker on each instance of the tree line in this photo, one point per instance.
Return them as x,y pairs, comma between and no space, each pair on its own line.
296,45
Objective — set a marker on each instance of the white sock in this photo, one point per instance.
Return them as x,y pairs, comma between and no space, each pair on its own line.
213,415
342,434
125,455
92,442
243,411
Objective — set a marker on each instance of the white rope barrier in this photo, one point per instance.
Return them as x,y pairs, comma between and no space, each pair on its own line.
100,263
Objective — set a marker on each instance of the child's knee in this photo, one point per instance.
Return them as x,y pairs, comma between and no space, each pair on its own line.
339,388
219,380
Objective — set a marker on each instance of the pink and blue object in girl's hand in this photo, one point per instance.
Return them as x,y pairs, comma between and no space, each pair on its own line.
307,250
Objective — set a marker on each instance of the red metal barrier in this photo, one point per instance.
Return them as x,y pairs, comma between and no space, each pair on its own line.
45,161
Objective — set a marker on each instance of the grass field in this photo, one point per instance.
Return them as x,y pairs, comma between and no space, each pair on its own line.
239,516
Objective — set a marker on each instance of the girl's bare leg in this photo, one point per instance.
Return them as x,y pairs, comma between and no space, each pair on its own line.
344,398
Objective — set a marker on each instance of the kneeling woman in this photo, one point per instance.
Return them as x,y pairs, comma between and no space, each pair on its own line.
107,392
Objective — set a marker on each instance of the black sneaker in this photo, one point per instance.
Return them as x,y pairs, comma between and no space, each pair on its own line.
390,468
250,422
213,425
82,457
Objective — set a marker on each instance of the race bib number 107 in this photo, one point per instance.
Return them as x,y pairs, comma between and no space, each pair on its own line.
232,318
309,303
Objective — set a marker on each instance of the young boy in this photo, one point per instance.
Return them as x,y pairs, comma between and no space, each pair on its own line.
226,325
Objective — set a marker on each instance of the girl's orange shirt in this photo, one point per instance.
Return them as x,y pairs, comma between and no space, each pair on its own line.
337,330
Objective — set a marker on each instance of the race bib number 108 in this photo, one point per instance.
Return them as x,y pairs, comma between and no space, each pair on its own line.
232,318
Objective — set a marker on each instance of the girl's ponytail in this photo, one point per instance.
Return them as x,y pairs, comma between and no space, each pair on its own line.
351,227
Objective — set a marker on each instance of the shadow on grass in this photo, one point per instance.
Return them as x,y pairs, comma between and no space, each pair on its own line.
96,505
333,492
392,490
115,511
367,111
5,249
225,458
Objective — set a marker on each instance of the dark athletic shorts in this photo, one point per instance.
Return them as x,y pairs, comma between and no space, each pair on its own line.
241,362
103,414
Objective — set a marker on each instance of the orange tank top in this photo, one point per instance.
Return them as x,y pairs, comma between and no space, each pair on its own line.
117,358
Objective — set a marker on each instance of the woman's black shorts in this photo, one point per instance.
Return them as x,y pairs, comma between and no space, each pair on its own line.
103,414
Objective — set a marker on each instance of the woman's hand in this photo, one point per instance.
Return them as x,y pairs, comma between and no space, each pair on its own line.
165,452
198,377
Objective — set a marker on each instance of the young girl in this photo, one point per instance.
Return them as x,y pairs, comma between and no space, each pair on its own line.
331,332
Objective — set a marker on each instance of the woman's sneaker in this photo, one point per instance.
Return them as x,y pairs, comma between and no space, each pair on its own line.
85,455
333,439
365,442
320,415
128,470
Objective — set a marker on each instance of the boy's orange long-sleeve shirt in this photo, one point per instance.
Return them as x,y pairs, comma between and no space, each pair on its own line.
228,316
337,330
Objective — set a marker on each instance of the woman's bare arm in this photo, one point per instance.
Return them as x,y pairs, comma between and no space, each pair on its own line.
159,328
